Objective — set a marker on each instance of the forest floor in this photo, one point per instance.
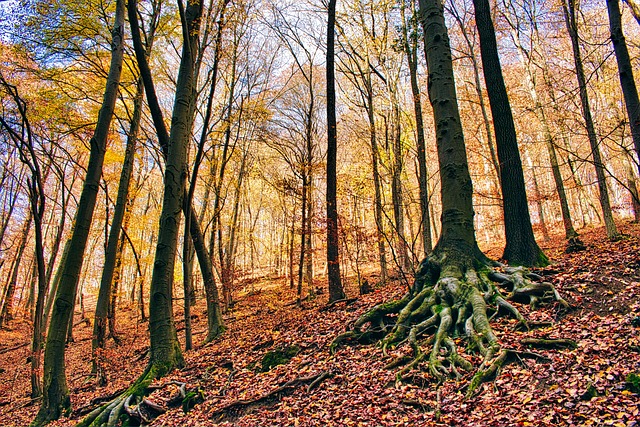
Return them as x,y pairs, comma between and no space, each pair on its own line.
571,387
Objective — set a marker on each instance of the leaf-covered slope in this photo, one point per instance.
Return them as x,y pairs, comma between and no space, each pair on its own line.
581,386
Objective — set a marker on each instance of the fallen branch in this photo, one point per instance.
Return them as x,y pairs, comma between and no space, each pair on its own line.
15,347
549,343
238,406
346,301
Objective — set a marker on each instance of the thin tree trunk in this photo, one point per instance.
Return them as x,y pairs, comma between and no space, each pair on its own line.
6,314
56,397
410,48
114,241
336,291
569,9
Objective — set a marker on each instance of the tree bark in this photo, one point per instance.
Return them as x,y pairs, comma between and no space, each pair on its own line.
625,71
214,315
521,247
56,396
114,240
411,52
569,9
336,291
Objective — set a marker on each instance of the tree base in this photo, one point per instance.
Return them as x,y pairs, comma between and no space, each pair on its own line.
455,294
132,403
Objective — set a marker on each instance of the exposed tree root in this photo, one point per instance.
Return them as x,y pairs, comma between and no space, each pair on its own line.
238,407
454,295
133,402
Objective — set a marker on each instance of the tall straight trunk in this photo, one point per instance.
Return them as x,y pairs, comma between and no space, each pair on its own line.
569,9
303,231
377,185
214,315
411,51
55,283
113,241
165,353
336,291
396,188
625,70
521,247
56,397
538,197
6,314
308,263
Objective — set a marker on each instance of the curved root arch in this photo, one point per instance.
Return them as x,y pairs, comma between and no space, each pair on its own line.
450,298
130,402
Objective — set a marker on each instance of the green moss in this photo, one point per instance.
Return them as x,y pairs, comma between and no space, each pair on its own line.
279,356
192,398
633,382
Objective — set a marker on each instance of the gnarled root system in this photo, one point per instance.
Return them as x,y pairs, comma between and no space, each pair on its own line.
452,297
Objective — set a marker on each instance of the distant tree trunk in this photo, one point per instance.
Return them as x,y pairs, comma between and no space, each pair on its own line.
114,241
6,314
377,186
336,291
569,9
633,190
538,201
117,278
521,247
303,231
625,70
56,397
411,51
228,261
396,187
55,283
308,263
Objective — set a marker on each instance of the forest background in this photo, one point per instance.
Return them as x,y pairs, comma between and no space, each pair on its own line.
255,117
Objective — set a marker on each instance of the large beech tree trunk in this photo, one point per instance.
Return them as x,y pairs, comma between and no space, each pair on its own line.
56,393
456,284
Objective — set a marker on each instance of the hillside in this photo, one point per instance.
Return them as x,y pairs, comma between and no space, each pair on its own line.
586,385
